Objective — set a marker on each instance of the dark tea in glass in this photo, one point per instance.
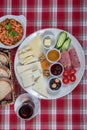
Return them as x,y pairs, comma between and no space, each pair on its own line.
26,110
27,106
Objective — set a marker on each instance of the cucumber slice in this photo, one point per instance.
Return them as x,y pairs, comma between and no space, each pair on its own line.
61,39
66,44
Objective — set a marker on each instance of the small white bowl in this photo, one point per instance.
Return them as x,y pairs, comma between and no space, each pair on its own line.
53,91
53,55
21,19
56,75
52,42
50,35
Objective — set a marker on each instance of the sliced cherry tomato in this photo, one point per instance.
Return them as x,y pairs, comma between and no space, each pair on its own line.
72,71
73,78
65,73
65,80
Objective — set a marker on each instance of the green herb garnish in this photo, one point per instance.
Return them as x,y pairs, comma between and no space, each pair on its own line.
7,33
8,26
14,33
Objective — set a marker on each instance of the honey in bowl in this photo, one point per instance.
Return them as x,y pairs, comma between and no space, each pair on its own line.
53,55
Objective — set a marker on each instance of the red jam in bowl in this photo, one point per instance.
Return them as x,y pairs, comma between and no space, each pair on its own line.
56,69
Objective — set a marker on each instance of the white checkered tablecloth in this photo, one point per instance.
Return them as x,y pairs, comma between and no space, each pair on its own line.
66,113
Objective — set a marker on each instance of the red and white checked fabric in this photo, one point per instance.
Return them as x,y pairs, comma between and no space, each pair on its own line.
66,113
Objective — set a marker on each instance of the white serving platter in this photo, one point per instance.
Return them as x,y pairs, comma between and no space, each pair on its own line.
64,89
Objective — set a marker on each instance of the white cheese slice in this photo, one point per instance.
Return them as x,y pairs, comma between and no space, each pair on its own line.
21,68
28,61
28,81
40,86
26,73
26,54
36,74
22,61
24,50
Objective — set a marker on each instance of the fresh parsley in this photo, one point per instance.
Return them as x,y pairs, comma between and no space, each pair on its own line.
8,26
14,33
9,31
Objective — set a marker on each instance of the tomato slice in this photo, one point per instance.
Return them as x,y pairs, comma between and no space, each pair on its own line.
65,80
72,71
65,73
72,78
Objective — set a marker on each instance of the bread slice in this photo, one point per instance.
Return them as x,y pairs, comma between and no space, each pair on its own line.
4,58
4,72
5,87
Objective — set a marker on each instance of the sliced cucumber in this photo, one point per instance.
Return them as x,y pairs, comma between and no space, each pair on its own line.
61,39
66,44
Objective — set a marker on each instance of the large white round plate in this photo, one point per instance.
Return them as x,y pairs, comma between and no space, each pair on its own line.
64,90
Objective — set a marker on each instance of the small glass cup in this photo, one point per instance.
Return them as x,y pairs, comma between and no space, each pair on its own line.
27,106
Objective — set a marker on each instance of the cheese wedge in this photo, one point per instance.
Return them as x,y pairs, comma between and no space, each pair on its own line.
36,46
40,86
